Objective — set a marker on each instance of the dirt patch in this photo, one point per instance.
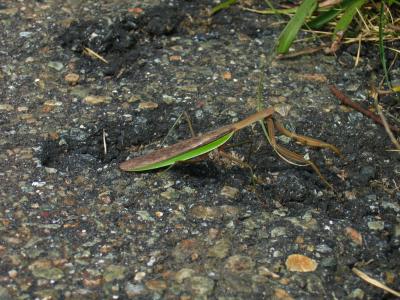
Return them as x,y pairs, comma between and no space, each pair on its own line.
124,39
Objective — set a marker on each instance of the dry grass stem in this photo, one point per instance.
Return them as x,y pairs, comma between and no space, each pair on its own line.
375,282
94,54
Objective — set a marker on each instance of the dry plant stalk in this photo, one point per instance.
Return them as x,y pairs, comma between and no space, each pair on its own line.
375,282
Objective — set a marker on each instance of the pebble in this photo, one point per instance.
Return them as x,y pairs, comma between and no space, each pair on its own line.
80,91
229,211
47,294
4,294
323,248
328,262
56,65
156,285
147,105
6,107
220,249
96,100
133,98
186,249
92,283
391,205
48,273
139,276
168,99
201,285
144,215
300,263
170,193
52,103
205,212
357,294
25,34
227,75
229,192
282,294
397,230
133,290
278,231
114,272
72,78
376,225
184,273
239,264
188,88
175,58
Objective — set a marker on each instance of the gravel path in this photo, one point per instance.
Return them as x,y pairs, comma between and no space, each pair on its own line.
73,226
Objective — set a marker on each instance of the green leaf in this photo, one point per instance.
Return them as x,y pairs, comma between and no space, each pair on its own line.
292,28
347,17
187,155
223,5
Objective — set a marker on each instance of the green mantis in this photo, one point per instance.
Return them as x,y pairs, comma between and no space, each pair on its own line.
202,144
191,148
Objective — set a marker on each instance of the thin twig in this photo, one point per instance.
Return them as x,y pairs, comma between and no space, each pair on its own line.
387,128
375,282
347,101
300,52
104,142
384,121
187,117
94,54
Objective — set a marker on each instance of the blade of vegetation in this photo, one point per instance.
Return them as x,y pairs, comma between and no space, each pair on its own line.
292,28
272,10
381,46
187,155
329,15
223,5
347,17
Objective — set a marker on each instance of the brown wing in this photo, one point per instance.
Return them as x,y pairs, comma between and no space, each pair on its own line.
175,149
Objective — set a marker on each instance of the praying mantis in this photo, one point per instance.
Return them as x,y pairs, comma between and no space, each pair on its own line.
202,144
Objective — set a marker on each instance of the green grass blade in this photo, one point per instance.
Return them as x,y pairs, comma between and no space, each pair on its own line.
223,5
324,18
329,15
381,46
292,28
274,11
347,17
187,155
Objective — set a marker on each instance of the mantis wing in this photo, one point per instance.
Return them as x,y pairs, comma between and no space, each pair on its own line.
140,164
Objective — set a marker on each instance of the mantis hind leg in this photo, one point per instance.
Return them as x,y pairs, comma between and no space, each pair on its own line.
293,157
305,140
